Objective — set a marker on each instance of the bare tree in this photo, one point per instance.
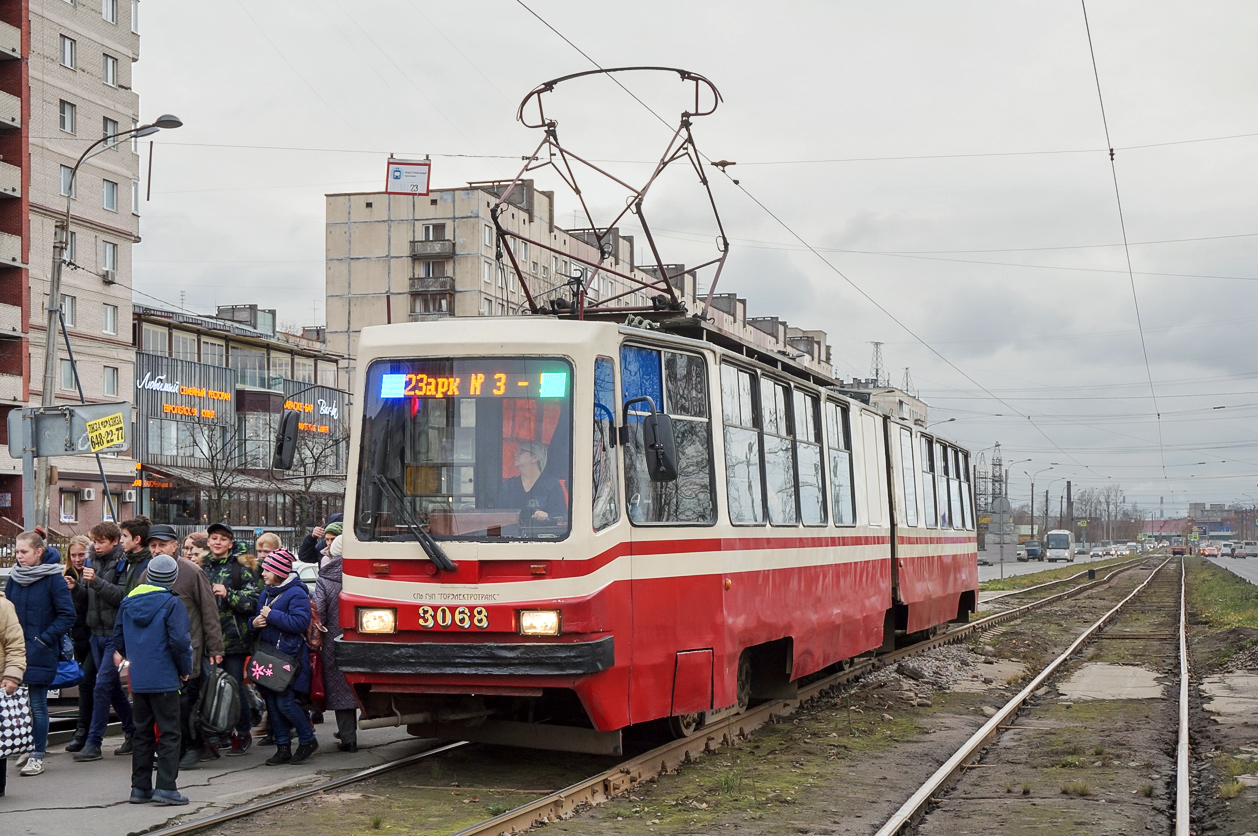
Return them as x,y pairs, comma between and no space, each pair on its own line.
320,456
219,448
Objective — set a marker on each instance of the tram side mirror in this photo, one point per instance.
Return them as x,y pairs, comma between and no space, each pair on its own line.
286,441
657,441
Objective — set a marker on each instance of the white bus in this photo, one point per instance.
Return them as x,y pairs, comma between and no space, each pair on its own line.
1059,545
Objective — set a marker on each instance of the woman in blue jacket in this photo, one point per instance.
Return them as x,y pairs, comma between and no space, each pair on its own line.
38,592
281,622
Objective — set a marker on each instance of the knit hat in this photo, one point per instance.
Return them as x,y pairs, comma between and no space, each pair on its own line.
337,548
163,570
334,528
279,563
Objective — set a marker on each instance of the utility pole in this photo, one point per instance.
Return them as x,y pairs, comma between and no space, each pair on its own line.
1070,507
876,368
1046,509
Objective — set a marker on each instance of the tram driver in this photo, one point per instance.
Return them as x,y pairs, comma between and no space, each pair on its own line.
538,495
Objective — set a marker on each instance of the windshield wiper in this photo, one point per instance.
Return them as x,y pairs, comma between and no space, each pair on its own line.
429,545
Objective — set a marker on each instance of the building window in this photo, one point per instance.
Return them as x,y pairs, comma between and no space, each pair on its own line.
109,128
67,182
71,248
433,269
66,378
69,306
109,256
281,366
68,50
213,353
250,366
109,195
489,235
434,232
69,507
110,380
487,271
432,303
183,346
110,70
135,197
109,317
109,10
487,307
67,116
155,340
135,16
327,374
303,370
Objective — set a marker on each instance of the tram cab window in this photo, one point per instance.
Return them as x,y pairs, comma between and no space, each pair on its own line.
839,441
928,484
967,511
744,484
479,447
908,475
606,508
779,465
677,384
810,475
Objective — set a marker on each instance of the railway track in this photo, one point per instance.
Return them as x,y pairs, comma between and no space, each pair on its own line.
1147,625
623,777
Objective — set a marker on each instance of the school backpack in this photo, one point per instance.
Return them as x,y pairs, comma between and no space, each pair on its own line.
219,707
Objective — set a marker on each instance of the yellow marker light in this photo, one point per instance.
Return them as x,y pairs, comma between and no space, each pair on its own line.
539,622
377,620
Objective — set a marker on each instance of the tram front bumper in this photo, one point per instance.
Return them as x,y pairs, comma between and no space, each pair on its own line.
498,659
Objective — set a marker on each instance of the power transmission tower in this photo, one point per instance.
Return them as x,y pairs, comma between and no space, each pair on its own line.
877,370
998,487
908,383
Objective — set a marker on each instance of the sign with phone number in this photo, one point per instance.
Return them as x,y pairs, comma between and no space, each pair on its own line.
106,432
456,618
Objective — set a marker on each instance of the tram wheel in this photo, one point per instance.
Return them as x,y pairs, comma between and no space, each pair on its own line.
744,683
685,725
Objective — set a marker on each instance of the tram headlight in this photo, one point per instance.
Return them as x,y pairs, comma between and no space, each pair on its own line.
539,622
377,620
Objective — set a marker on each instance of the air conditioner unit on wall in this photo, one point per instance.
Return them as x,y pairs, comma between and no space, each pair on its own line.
87,494
110,276
128,496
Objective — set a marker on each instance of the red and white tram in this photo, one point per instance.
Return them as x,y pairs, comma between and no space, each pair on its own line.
579,596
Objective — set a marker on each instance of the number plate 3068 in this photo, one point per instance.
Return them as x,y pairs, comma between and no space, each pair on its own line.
453,618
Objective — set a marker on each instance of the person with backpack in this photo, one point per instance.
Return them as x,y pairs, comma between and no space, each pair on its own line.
236,587
114,571
194,591
151,633
39,595
281,622
337,694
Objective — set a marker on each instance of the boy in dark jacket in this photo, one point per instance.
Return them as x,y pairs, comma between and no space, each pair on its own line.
236,587
152,633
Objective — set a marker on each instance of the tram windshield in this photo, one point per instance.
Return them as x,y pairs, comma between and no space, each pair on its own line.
480,448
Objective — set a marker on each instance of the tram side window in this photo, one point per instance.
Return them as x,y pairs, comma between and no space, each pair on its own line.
606,508
811,479
908,473
779,464
677,384
928,484
941,482
954,488
840,443
744,484
967,511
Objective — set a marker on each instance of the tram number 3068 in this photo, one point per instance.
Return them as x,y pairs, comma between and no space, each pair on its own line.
463,618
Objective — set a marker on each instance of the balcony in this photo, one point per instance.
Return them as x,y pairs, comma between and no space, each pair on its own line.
10,250
10,111
10,42
10,181
432,284
11,389
10,322
432,249
429,316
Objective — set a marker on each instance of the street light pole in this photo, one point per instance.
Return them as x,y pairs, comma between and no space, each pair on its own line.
1032,476
61,240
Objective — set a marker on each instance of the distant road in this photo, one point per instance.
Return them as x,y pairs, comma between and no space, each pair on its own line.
1012,567
1243,567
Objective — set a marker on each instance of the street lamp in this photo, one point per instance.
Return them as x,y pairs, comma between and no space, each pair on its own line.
1047,509
1032,476
1008,467
937,423
61,239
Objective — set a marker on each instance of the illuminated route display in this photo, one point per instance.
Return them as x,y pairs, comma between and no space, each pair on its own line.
499,378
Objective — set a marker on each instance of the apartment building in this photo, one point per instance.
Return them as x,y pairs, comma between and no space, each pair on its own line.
65,82
403,258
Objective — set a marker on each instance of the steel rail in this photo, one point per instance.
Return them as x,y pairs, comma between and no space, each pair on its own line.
1063,580
288,797
905,815
1183,814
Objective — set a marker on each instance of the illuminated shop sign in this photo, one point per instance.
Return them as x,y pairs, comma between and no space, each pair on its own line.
476,384
158,383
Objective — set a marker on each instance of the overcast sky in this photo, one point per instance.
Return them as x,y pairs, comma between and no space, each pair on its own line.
947,159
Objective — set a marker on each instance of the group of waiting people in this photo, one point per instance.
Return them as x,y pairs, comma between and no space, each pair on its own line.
133,595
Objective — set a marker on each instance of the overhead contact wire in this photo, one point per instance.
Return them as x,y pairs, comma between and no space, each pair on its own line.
1131,276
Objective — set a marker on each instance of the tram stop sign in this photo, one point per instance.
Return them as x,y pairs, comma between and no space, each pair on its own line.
71,430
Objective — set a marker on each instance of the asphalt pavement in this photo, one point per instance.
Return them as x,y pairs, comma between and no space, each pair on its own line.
1242,567
1012,567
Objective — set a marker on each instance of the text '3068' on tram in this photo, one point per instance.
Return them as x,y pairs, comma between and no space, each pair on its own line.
563,524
